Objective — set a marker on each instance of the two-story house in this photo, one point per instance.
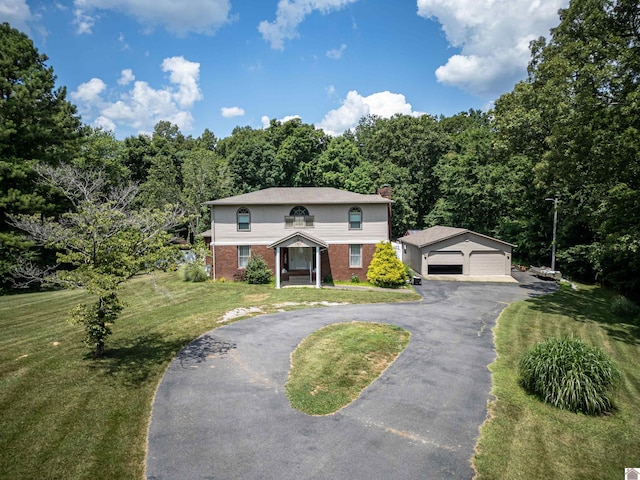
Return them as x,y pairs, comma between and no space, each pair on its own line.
303,232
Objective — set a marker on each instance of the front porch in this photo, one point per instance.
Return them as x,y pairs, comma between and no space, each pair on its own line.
298,260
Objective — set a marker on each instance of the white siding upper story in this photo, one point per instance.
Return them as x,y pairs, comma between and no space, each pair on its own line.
331,224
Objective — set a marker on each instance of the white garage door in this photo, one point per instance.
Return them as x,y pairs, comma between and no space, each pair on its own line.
445,263
445,258
487,263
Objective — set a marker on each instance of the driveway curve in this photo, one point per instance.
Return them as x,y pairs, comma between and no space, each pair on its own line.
221,411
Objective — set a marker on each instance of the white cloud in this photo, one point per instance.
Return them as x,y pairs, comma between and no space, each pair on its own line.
142,106
83,22
123,42
266,121
286,118
17,13
186,75
355,106
493,36
126,77
229,112
290,14
336,53
199,16
104,123
89,92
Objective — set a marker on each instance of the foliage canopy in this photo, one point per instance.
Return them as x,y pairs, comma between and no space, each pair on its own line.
570,130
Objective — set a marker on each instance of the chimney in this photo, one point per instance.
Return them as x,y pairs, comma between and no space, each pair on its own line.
385,191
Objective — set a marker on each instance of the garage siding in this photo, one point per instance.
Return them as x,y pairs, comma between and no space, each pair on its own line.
466,254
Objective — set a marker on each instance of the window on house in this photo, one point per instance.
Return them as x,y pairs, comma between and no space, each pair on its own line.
243,216
355,256
244,252
298,218
355,218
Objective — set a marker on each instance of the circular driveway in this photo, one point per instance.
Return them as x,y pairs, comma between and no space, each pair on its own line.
221,411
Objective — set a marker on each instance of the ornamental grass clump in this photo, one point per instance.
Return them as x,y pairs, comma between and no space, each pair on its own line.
193,272
570,375
622,307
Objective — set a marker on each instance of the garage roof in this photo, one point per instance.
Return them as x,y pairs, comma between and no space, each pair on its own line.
438,233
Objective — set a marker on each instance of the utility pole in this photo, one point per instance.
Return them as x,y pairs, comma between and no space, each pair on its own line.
555,227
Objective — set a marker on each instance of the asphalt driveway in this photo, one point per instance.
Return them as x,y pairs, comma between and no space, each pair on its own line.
221,411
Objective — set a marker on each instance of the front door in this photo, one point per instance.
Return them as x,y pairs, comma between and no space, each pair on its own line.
299,258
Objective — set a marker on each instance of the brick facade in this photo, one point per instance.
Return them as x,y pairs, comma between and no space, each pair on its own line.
334,261
226,260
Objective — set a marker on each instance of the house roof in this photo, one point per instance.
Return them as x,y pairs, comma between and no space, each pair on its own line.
438,233
299,196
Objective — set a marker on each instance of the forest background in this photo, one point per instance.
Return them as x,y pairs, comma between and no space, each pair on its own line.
570,131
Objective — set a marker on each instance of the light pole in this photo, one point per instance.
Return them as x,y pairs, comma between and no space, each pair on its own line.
555,227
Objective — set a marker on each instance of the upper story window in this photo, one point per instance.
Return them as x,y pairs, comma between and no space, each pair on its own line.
355,218
298,218
243,217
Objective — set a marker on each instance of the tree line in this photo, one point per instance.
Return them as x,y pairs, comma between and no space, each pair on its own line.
569,131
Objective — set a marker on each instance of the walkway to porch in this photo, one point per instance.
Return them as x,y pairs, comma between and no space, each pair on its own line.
298,278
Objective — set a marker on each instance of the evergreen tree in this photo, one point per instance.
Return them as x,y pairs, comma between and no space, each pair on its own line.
37,124
386,269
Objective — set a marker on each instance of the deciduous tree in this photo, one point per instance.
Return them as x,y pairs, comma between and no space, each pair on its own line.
101,243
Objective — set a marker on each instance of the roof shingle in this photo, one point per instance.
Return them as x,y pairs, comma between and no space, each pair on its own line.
439,233
299,196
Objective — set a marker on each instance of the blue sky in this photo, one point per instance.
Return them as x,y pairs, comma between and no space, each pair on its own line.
218,64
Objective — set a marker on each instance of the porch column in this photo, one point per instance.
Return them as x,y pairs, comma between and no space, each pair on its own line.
277,267
318,270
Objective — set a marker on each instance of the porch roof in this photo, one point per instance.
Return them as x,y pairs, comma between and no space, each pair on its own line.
299,239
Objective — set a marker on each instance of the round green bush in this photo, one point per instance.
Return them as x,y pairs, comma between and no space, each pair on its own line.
570,375
257,271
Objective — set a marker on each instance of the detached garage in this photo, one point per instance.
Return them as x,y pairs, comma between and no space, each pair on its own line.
456,251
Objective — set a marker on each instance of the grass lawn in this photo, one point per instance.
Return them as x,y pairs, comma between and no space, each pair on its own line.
66,415
332,366
527,439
